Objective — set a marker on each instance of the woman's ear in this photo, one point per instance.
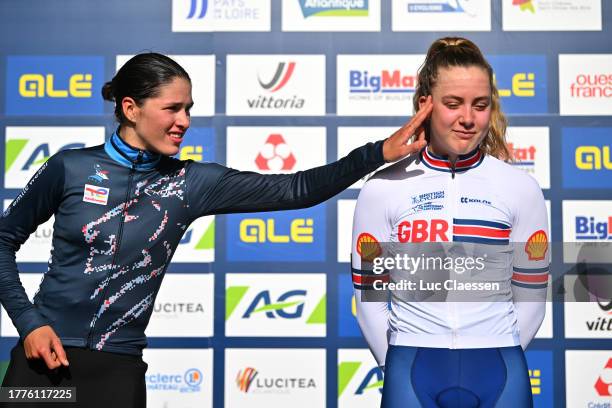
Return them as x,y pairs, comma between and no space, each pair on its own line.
130,109
422,100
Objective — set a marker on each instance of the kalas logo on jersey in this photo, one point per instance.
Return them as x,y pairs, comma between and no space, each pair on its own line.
371,382
334,8
275,155
524,5
522,82
280,78
386,81
54,85
451,6
603,385
591,228
249,380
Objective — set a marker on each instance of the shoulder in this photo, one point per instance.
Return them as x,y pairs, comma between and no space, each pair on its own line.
509,176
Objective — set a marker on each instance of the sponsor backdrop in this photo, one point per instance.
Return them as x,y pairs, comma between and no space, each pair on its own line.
257,309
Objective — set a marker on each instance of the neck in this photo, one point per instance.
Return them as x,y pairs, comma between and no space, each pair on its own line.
452,157
129,136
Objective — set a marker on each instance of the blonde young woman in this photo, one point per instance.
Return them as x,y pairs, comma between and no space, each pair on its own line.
458,189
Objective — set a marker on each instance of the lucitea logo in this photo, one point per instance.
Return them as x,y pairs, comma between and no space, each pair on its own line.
275,305
334,8
54,85
27,148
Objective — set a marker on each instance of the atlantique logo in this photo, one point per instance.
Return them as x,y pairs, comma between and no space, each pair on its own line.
334,8
280,78
249,381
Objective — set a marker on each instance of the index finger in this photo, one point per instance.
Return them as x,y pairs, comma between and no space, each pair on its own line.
420,116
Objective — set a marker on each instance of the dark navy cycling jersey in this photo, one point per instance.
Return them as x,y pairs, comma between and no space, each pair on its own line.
119,216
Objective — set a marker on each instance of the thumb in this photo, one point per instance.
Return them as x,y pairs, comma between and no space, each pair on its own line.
59,350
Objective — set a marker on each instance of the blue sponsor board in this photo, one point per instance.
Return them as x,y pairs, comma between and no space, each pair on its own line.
347,322
586,157
55,85
198,145
540,365
522,83
278,236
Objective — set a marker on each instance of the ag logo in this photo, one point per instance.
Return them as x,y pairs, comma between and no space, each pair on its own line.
289,305
275,155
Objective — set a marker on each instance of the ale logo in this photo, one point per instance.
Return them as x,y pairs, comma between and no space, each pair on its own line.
275,155
372,381
289,305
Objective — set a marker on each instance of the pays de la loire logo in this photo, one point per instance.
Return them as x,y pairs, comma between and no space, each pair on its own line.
603,386
275,155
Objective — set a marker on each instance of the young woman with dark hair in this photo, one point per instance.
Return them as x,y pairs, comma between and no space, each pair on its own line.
120,211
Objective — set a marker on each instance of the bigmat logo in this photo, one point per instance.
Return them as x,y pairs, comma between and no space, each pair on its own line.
279,305
184,307
285,236
441,15
27,148
198,242
275,85
540,364
586,222
360,380
551,15
522,82
38,246
275,378
334,15
585,84
587,162
31,283
347,308
47,86
376,85
179,378
531,149
201,70
588,378
220,15
350,137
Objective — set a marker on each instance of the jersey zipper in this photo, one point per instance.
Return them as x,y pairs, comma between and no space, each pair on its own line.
118,243
452,200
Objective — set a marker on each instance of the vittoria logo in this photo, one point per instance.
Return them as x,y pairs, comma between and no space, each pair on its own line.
275,155
281,76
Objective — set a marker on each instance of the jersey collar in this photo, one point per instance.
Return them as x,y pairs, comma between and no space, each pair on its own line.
127,156
442,163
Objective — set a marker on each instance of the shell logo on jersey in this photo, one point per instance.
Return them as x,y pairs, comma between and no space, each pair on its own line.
275,155
537,245
368,246
95,194
423,231
604,386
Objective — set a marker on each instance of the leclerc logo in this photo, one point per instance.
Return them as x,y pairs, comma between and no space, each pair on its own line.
275,155
586,157
522,82
54,85
603,386
326,8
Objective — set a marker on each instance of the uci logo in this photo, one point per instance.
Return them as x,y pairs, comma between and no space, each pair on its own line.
256,230
523,85
280,308
593,158
41,86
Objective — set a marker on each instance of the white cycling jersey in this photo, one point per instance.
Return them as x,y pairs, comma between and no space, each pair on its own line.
482,200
